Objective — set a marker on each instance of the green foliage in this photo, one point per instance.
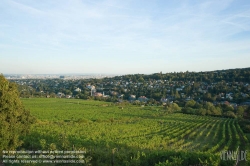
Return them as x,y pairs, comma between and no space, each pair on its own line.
14,119
190,103
240,111
170,108
230,114
207,108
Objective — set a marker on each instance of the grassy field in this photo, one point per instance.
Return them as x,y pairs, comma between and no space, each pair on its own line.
131,135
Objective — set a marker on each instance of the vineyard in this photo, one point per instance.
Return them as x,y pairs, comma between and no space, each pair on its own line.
116,134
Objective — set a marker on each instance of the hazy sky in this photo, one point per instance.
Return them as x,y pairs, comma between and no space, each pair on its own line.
121,37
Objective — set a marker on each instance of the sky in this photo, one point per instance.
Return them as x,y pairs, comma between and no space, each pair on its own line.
123,36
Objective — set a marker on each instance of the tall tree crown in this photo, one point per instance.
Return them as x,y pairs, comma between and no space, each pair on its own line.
14,119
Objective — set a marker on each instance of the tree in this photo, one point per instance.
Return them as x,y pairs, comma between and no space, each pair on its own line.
226,107
141,79
240,111
230,114
190,103
208,97
67,92
177,95
175,107
14,119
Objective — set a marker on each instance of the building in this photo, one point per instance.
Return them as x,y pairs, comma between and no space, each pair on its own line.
60,94
103,95
92,91
164,100
77,90
132,97
143,99
97,94
68,96
90,87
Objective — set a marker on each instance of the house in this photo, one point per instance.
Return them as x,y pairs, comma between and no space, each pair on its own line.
90,87
132,97
179,89
244,94
68,96
164,100
188,98
92,92
78,90
182,95
97,94
103,95
143,99
60,94
228,96
120,96
114,93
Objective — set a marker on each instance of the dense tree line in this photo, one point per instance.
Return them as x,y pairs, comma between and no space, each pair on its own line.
231,75
207,108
